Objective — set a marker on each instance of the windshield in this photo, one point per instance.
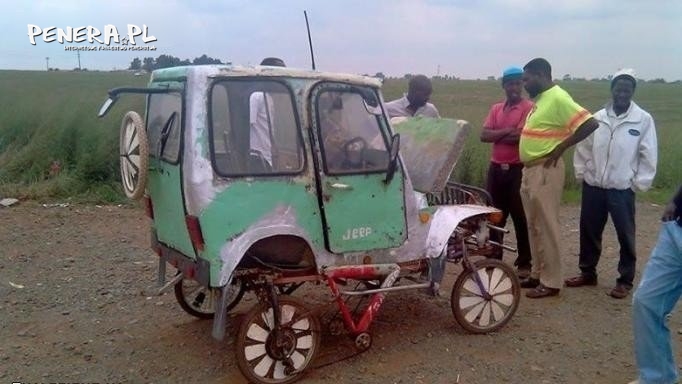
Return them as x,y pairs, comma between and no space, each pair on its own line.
350,130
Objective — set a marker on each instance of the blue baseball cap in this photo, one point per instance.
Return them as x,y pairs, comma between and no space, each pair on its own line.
511,73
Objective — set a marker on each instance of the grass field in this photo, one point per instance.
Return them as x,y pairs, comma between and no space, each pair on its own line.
51,116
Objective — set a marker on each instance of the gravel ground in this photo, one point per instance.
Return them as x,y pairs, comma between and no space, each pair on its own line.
75,307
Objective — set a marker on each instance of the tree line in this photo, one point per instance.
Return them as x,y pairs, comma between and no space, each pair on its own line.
166,61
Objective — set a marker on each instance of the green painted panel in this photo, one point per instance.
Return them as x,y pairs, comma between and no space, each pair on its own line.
170,74
363,212
165,188
244,203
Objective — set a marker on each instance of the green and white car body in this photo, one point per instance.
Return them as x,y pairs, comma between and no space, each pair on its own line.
331,194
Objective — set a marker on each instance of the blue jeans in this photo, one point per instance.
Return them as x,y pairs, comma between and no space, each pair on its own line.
657,294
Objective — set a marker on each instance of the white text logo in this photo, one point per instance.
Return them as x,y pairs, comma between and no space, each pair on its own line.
90,34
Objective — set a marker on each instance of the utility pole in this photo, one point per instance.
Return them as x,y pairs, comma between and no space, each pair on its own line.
438,71
79,59
47,60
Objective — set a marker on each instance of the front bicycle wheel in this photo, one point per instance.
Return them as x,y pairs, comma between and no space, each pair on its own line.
489,306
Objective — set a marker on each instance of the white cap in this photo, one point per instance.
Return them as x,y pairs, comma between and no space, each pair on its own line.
624,72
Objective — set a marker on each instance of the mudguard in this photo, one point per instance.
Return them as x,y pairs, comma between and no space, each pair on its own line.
445,220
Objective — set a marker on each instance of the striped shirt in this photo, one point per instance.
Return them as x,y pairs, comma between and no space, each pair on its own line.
553,119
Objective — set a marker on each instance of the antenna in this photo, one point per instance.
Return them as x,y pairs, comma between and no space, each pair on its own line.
310,40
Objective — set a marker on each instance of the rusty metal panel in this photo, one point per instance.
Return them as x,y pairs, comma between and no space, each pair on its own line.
430,148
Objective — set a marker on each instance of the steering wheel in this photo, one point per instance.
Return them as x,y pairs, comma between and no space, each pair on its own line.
354,152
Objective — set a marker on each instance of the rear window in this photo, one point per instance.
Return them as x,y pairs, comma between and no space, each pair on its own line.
254,129
164,119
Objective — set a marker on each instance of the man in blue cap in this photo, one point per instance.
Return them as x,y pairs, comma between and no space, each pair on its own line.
503,128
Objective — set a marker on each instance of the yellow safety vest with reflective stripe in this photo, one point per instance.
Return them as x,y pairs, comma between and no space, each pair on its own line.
553,119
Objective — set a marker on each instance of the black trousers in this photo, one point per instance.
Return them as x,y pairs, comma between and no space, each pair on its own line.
597,204
504,183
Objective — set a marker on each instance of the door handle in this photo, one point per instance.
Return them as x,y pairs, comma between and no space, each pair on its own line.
340,186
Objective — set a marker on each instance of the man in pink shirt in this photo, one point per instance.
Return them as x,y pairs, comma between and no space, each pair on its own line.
503,128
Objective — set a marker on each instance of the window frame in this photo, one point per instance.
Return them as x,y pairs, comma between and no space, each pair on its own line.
181,126
332,86
299,133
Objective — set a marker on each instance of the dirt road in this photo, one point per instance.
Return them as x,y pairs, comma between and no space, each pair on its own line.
74,307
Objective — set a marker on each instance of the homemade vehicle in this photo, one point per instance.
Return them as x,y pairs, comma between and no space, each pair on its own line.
262,179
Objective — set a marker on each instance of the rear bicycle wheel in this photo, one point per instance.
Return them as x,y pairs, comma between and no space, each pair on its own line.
265,358
199,301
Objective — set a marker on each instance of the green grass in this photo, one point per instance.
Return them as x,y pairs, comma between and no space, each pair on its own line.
51,116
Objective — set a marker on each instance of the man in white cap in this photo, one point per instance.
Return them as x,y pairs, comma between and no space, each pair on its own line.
618,159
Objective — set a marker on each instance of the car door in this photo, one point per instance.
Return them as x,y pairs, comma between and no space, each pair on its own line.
361,209
164,128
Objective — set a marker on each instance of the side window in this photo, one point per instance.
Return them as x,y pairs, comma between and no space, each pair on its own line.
254,130
350,132
164,120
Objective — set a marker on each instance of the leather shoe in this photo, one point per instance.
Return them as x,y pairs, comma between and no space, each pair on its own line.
541,291
620,291
580,280
530,283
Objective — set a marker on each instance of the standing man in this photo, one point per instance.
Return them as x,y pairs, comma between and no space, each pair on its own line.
415,103
613,163
261,135
555,124
655,297
503,128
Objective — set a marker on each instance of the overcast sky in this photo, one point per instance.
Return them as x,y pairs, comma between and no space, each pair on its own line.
465,38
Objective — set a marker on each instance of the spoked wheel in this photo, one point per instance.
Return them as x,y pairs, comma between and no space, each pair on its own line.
490,308
134,155
266,357
199,301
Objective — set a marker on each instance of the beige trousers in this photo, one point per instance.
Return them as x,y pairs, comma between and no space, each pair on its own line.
541,190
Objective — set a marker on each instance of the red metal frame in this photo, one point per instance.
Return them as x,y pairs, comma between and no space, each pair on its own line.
362,272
